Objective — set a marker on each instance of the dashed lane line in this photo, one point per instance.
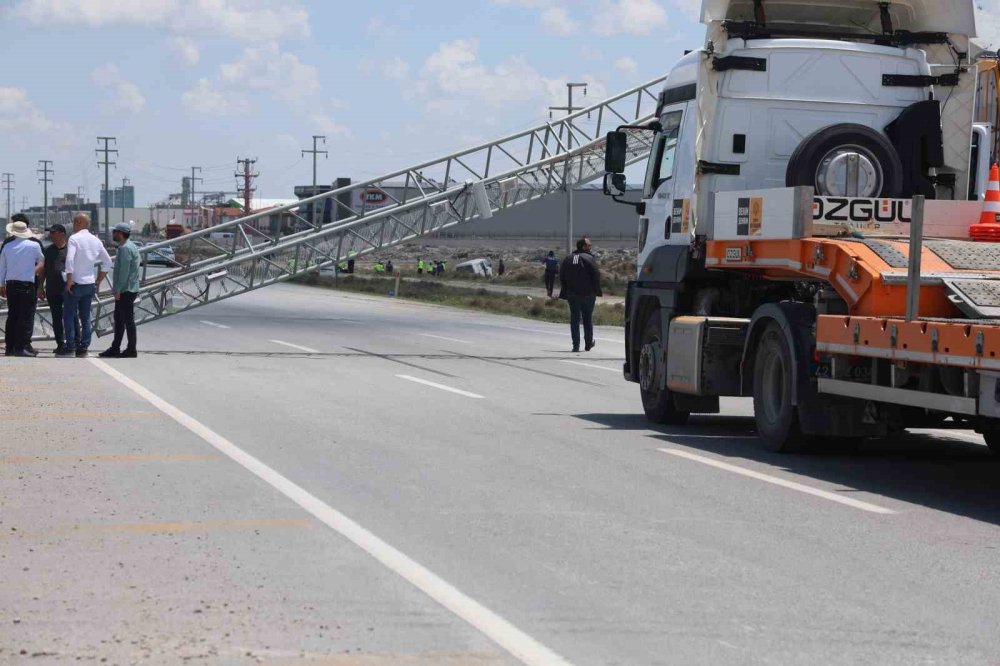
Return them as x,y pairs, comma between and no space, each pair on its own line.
519,644
441,337
784,483
617,371
213,324
308,350
442,387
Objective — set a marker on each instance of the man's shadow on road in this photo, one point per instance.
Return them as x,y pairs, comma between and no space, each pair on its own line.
931,470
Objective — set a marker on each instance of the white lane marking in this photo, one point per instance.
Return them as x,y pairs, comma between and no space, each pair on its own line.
617,371
537,330
212,323
440,386
791,485
441,337
965,437
503,633
299,347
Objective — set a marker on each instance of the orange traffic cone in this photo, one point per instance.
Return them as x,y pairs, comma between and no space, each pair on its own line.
988,229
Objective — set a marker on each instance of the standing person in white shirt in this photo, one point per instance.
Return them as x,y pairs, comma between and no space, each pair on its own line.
83,252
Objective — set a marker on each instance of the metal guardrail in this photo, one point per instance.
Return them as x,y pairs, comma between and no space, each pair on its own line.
511,171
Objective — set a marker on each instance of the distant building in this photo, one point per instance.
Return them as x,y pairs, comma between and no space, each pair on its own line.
70,199
121,197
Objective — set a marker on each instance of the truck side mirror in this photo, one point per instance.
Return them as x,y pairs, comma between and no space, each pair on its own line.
615,152
614,184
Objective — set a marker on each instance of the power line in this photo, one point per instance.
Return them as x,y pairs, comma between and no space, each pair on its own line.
45,180
315,154
248,176
106,163
8,186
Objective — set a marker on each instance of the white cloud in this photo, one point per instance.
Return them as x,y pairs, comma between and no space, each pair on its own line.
397,68
95,13
242,20
18,114
454,72
627,66
379,28
187,49
126,96
557,21
206,99
628,17
270,69
327,125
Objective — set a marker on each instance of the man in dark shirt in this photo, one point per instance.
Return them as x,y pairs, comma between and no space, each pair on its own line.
581,285
53,285
29,324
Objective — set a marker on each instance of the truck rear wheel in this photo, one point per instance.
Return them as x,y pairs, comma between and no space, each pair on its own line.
777,418
831,157
656,402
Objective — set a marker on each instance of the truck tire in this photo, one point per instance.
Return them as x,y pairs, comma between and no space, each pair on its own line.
777,418
820,162
657,403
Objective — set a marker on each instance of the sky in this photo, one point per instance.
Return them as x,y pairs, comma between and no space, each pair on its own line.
184,83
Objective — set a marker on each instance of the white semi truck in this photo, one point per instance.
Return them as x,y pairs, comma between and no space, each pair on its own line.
804,222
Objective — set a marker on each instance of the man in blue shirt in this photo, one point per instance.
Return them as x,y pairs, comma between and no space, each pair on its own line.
20,263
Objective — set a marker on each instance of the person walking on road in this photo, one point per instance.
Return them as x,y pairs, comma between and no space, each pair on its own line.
52,287
581,285
84,252
125,286
20,263
551,271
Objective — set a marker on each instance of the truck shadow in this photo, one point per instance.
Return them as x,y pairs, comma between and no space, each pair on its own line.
930,470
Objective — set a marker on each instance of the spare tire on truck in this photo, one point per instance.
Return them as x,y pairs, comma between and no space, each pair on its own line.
831,157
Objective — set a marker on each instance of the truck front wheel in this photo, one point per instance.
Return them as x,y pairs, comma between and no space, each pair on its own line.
777,418
656,402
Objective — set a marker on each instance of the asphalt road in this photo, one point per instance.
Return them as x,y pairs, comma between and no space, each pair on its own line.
298,476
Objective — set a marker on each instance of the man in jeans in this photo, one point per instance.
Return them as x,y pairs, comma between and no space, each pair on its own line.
52,287
125,285
84,252
581,285
20,262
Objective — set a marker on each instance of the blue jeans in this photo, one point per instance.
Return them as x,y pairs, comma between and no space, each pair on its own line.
581,307
78,300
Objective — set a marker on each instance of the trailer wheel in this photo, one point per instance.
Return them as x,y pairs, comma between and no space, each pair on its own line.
777,418
657,403
825,160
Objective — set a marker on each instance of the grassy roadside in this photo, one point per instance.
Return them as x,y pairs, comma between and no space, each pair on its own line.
440,293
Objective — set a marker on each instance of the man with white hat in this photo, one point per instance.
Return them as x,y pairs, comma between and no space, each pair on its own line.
20,263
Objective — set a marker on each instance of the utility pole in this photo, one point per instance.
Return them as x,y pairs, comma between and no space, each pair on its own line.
125,181
106,163
79,193
315,153
246,189
194,204
8,187
45,180
570,110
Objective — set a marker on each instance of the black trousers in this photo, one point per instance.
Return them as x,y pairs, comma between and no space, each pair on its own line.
125,320
550,281
22,301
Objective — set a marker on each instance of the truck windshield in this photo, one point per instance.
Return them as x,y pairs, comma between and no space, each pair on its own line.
661,164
